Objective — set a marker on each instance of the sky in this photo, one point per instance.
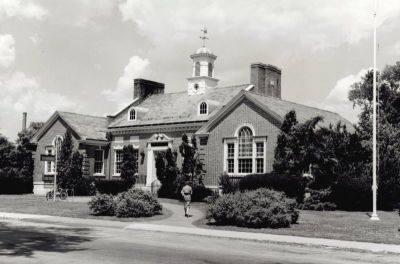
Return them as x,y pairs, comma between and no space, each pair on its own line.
82,55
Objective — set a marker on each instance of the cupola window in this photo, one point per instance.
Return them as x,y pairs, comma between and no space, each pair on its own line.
197,69
210,69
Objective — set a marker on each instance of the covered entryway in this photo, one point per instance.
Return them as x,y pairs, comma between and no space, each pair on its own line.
157,144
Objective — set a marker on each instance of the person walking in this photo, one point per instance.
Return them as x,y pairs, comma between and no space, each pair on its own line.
186,193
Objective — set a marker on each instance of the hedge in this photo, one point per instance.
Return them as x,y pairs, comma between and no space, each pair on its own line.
113,186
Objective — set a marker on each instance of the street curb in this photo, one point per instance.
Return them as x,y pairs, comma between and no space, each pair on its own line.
19,216
342,244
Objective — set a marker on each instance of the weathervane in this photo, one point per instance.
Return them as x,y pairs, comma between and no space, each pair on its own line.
204,37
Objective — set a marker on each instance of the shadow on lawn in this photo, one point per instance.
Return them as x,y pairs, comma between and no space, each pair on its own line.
24,241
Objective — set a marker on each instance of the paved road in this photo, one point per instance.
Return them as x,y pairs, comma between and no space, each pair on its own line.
25,242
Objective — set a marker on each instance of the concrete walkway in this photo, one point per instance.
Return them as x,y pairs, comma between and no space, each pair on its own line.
179,224
178,216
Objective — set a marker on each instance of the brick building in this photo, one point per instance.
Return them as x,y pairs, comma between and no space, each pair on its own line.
236,126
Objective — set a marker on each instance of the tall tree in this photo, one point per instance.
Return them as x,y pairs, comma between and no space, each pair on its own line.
64,161
192,166
129,164
388,103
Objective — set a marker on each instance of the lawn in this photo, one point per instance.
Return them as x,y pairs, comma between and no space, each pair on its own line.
335,225
32,204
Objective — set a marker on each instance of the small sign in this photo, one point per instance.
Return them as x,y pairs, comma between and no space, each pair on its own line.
47,158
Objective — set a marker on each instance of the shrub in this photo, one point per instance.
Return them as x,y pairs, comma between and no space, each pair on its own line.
353,193
291,186
12,183
102,204
137,203
255,209
319,200
200,192
227,185
113,186
85,187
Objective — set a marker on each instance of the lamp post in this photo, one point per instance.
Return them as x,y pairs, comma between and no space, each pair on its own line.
374,215
57,145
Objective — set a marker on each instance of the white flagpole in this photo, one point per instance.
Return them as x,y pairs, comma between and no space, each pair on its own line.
374,215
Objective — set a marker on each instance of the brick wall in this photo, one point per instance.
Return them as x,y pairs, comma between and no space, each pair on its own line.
244,113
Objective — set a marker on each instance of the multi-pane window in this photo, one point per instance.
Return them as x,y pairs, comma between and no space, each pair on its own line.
203,108
245,142
260,165
245,165
231,157
260,157
118,161
49,166
132,114
246,153
98,161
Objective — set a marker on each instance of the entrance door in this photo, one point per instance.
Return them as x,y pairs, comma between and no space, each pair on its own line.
156,153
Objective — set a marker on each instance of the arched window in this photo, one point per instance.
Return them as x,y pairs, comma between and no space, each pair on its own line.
197,69
132,114
245,141
203,108
210,69
245,153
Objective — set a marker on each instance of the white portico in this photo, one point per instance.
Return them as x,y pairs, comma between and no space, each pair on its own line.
156,144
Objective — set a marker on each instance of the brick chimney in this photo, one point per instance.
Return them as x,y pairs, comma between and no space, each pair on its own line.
266,79
143,88
24,114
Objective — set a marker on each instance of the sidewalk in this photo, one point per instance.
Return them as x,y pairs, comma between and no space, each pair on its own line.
179,224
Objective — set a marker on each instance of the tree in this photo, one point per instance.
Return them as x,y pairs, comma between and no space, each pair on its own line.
129,164
167,173
64,159
388,102
192,166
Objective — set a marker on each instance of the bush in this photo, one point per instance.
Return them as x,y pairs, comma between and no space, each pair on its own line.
353,194
12,183
227,185
85,187
137,203
102,204
319,200
291,186
113,186
200,192
255,209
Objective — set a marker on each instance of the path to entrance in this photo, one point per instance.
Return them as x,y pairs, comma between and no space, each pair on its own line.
178,216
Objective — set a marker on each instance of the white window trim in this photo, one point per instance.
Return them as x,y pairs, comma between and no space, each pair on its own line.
52,167
198,109
115,174
102,161
129,114
116,148
235,141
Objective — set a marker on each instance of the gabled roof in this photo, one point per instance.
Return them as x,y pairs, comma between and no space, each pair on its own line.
303,112
83,126
276,109
176,107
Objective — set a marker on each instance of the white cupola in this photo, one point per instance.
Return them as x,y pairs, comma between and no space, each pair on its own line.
203,69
